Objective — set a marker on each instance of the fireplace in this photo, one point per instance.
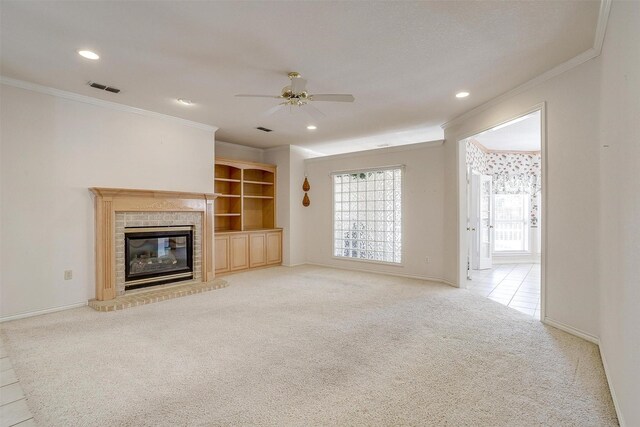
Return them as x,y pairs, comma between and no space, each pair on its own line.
157,255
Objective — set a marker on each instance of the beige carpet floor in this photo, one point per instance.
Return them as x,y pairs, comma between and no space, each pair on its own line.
308,346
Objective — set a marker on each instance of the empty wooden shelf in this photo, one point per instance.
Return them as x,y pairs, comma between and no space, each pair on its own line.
245,212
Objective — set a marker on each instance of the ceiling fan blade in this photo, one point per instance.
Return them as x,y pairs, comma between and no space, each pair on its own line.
298,85
256,96
274,110
313,112
333,97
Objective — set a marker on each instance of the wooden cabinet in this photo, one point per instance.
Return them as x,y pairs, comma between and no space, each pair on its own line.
222,254
238,250
245,213
257,250
273,247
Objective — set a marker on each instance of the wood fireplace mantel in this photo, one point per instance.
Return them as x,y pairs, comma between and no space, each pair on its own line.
108,201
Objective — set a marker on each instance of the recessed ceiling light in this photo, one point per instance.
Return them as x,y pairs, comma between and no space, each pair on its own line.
88,54
184,101
312,127
462,94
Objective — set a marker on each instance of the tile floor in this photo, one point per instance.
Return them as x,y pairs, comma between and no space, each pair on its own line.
515,285
13,404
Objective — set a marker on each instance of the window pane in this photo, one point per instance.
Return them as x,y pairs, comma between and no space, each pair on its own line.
368,215
511,232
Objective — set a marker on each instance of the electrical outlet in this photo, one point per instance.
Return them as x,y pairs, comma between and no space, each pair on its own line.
68,274
428,259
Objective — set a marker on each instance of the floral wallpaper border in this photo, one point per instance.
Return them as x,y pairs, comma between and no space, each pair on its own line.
512,173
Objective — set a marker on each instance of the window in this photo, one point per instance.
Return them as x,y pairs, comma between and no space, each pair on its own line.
511,212
367,222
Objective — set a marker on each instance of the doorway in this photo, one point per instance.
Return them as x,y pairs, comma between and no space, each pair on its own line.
501,244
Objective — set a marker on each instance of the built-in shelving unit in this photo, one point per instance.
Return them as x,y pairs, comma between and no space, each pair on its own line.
246,195
245,210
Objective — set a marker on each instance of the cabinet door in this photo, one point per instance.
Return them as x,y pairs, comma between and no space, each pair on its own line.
221,254
257,250
239,251
274,247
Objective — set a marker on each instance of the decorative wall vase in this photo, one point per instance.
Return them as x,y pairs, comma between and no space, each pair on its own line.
305,200
305,185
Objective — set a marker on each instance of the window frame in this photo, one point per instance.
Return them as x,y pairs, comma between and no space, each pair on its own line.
402,210
527,228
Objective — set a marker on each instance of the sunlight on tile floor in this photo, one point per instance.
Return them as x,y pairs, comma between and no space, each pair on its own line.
515,285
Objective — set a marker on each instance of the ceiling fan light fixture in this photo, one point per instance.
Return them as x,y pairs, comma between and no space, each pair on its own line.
295,95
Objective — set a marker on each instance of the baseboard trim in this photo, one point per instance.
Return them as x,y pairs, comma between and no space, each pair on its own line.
616,405
40,312
407,276
571,330
294,265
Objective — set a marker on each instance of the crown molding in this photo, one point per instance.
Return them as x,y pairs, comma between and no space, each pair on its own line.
306,153
278,148
589,54
601,28
101,103
240,147
385,150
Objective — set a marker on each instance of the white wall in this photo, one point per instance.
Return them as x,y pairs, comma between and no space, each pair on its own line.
422,208
239,152
571,190
620,207
298,221
54,149
280,157
593,198
290,212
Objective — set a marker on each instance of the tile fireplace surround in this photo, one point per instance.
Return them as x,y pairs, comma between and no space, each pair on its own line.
117,208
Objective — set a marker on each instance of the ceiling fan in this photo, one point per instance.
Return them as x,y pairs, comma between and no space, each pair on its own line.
295,95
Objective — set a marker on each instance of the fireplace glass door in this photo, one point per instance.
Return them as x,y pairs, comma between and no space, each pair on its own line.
155,255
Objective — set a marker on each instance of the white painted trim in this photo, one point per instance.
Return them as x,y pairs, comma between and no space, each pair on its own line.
544,191
40,312
368,261
294,265
589,54
571,330
239,147
306,152
447,282
385,150
407,276
101,103
276,149
538,107
462,202
612,390
601,29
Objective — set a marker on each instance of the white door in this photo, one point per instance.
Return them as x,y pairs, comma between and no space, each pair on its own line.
474,219
484,228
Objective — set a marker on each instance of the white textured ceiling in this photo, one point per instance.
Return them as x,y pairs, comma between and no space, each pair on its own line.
403,61
522,134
